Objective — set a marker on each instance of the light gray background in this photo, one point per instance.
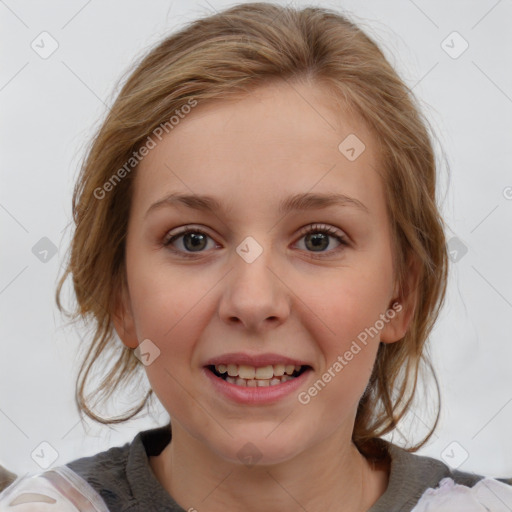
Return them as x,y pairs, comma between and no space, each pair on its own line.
50,108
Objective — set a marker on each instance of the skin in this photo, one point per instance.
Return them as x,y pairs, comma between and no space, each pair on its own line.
250,154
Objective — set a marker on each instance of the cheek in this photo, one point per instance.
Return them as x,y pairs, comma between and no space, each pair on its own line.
165,301
169,312
347,304
172,308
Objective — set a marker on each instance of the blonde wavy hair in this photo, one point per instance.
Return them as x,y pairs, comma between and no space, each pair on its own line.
226,55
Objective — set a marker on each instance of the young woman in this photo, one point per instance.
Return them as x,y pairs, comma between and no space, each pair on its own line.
256,223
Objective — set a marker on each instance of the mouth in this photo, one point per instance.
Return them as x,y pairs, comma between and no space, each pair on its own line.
262,376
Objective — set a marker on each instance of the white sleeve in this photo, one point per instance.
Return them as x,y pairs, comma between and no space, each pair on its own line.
59,489
487,494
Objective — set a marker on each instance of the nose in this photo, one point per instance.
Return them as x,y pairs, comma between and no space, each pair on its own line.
255,297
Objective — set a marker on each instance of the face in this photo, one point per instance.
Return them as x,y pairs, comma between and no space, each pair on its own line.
255,284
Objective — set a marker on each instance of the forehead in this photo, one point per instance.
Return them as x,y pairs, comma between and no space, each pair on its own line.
281,139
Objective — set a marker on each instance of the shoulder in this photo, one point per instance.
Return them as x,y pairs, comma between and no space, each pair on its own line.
106,473
100,478
434,470
116,479
122,475
411,475
55,490
487,494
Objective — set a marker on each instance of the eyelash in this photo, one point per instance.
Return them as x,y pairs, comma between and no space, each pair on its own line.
314,228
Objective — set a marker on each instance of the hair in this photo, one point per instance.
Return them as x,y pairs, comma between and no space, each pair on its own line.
227,55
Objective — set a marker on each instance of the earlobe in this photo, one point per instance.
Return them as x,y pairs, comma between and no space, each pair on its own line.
122,318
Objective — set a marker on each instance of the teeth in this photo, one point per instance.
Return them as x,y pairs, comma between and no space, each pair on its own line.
289,369
250,376
278,370
247,372
265,372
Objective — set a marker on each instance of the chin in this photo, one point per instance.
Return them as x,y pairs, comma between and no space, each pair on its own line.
259,449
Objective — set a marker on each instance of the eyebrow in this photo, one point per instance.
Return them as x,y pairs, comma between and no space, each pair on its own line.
297,202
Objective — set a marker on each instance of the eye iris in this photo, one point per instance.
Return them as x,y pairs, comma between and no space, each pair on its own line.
196,240
318,239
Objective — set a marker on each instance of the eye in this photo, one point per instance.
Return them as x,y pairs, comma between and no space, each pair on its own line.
191,240
317,237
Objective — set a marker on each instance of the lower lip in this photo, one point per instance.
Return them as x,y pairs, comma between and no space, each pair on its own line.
256,395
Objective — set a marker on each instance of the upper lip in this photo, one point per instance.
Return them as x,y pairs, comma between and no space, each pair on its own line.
256,360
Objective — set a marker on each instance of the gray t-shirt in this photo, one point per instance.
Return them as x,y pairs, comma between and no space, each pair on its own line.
126,482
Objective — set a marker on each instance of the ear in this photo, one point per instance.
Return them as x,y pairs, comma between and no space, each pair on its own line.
403,304
122,317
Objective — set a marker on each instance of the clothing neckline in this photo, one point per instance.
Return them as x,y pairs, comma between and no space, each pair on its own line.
407,472
144,485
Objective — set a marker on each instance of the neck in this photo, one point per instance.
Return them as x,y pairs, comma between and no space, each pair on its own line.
319,478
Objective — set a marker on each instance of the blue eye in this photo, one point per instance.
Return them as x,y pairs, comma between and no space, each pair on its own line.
317,238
